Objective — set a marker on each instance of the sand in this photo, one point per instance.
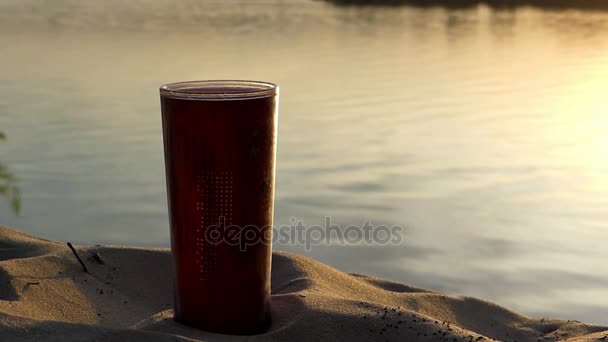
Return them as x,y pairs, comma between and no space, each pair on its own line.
46,296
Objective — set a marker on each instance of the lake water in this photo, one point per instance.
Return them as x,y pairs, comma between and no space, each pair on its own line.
482,131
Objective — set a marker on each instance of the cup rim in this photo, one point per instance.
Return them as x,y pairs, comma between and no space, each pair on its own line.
219,90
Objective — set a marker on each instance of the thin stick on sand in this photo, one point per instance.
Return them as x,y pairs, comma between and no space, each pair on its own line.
77,257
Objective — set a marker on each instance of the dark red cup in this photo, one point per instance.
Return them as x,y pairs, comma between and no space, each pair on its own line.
220,151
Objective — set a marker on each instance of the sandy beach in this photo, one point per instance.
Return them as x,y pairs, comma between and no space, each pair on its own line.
46,296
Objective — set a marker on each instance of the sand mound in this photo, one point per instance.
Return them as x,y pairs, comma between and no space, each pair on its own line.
45,295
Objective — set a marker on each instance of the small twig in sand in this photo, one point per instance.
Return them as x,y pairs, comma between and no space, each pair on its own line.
33,283
77,257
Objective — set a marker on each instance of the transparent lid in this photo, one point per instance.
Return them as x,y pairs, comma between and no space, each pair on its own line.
219,90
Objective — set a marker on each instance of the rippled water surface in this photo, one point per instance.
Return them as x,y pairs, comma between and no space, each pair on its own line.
482,131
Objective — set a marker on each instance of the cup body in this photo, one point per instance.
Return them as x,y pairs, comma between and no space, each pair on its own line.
220,150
